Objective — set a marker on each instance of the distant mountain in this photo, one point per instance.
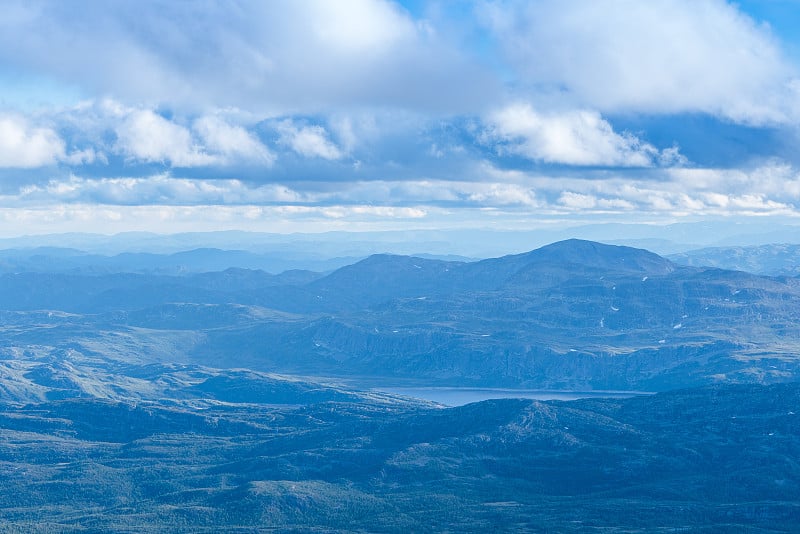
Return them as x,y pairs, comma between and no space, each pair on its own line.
571,315
773,260
382,277
72,261
468,243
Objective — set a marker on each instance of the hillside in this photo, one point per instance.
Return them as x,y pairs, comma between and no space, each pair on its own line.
771,260
721,457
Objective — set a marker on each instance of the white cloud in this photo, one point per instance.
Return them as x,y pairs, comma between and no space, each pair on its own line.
357,26
25,146
774,179
143,135
234,143
157,189
577,200
573,138
274,57
308,141
384,212
504,194
81,217
658,56
772,189
581,202
86,156
147,136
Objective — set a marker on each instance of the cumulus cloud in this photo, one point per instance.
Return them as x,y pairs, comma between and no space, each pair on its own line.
309,141
232,142
659,56
26,146
147,136
577,137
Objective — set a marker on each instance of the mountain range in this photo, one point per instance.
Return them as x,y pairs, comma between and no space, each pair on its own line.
142,400
772,259
571,315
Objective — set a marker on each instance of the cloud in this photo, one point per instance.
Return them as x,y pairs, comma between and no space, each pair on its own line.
577,137
147,136
161,189
774,179
770,189
505,197
26,146
155,218
504,194
659,56
308,141
233,143
274,58
453,193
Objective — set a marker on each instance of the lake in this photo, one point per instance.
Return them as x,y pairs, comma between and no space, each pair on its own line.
458,396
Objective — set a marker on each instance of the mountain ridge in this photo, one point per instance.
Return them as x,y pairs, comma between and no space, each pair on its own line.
573,315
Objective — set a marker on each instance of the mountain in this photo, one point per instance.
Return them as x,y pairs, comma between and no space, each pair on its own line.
576,252
199,260
572,315
471,242
382,277
155,401
771,260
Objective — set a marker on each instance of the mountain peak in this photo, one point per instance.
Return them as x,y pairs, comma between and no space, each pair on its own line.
600,255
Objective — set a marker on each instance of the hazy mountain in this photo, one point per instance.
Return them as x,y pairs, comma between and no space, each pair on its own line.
72,261
773,260
310,251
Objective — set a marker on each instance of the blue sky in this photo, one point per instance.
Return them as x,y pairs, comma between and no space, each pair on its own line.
368,114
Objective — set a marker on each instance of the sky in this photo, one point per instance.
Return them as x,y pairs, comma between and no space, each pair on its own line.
313,115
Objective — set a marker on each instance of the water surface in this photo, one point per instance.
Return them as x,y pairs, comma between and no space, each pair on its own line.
458,396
